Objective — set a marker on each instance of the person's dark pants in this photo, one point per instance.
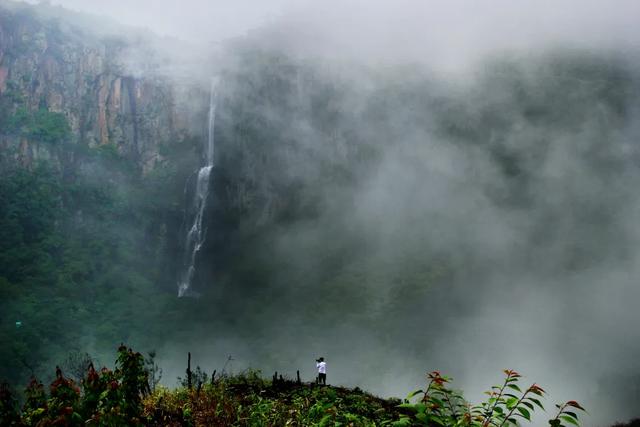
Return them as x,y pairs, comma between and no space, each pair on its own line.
322,379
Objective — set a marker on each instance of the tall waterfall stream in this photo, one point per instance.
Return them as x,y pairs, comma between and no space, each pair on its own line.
196,235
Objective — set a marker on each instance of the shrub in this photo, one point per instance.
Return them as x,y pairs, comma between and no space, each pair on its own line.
48,127
108,398
507,405
35,405
134,381
42,125
61,408
9,414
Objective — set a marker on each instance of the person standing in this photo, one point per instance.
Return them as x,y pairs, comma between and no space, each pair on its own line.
322,371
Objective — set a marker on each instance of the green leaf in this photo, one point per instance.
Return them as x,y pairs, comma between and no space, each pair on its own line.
436,401
438,420
511,402
515,387
537,402
402,422
526,414
570,420
416,407
423,418
414,393
571,414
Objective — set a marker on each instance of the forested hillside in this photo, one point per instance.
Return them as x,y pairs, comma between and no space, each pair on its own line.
93,162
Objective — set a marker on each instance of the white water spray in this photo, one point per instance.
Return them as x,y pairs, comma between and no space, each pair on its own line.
196,234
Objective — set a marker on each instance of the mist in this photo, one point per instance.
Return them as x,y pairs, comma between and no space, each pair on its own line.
414,185
438,33
494,228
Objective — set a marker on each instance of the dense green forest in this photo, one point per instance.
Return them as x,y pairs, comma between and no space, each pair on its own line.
76,248
67,272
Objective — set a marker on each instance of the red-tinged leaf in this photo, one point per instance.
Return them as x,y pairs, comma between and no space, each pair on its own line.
510,373
535,388
574,404
439,381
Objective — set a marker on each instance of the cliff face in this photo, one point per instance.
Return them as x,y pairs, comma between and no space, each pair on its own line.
47,64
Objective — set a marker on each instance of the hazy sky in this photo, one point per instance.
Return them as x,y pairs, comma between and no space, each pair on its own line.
447,32
190,19
456,19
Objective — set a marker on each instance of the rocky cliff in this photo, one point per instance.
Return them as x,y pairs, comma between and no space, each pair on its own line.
49,65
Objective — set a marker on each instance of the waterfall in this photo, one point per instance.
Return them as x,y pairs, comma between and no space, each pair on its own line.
196,235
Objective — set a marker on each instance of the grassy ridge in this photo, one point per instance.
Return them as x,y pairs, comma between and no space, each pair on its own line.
251,401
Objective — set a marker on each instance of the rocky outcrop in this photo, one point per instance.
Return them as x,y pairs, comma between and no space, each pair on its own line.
49,64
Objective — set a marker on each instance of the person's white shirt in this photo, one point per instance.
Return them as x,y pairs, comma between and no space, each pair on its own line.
322,367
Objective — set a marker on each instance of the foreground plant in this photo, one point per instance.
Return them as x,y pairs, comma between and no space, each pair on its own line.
107,398
506,405
566,413
122,397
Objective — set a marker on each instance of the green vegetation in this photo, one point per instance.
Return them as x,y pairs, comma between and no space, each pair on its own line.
248,400
128,396
75,247
507,405
39,126
47,126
